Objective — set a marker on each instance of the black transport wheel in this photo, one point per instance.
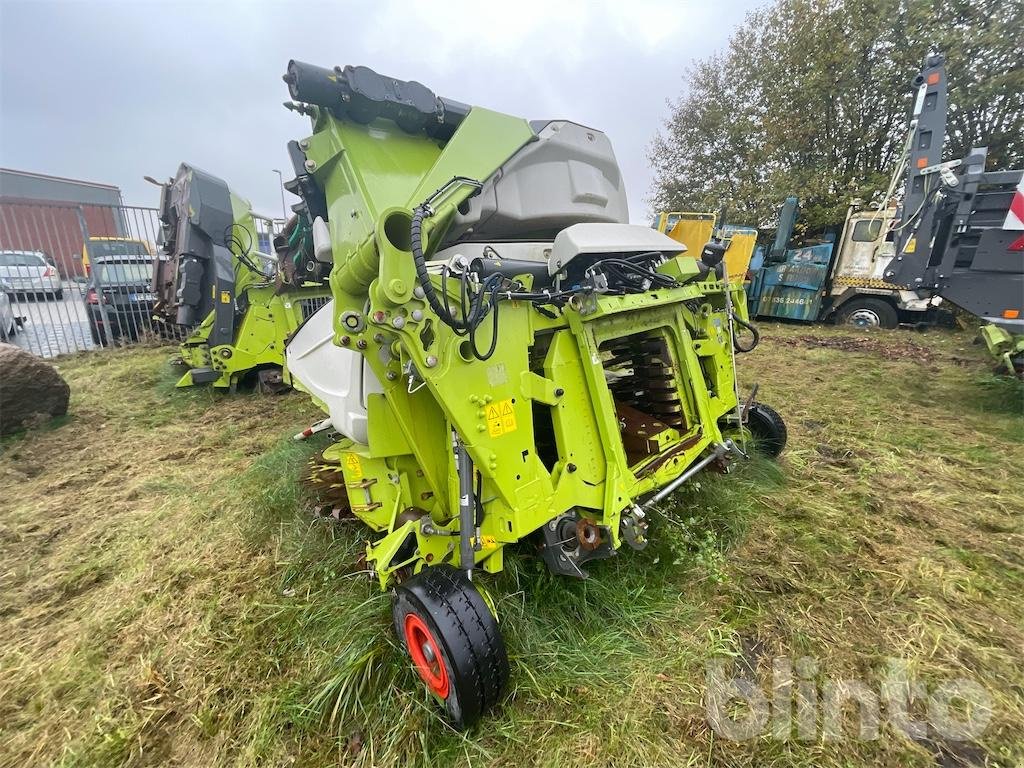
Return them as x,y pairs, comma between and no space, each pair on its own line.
767,428
868,313
453,641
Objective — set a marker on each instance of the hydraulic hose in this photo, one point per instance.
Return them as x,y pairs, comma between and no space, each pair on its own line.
754,332
423,277
494,287
478,305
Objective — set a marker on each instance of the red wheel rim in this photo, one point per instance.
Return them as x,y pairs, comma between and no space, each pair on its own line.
426,655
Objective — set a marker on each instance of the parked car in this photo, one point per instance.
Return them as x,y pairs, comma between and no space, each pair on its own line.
119,297
108,247
30,273
9,322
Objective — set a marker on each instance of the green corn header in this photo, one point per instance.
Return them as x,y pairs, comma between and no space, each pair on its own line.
238,306
505,357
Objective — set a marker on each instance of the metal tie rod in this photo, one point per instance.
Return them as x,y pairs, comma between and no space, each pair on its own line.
721,449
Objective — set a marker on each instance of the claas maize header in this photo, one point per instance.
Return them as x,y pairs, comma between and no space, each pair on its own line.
233,305
505,356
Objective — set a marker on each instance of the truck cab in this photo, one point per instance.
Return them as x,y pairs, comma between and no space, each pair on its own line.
856,291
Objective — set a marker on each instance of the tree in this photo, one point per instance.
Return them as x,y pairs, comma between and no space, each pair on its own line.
812,97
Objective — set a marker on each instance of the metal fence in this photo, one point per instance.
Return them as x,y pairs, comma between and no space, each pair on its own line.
79,277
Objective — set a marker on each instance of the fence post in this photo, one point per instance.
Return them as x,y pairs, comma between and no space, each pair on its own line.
95,279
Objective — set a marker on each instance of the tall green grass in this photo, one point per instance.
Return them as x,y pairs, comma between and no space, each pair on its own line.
169,596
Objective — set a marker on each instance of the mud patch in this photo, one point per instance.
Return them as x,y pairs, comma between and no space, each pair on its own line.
889,348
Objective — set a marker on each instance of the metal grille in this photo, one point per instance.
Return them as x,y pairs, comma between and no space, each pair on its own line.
56,284
310,306
80,277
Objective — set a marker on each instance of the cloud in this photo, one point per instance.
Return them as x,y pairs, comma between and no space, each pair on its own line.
113,91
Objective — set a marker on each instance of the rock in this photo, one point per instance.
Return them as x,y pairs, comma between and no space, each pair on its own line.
31,390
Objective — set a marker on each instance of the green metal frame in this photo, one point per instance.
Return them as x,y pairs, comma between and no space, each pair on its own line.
1005,347
260,337
272,314
373,177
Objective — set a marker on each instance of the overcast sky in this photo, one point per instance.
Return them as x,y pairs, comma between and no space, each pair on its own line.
110,92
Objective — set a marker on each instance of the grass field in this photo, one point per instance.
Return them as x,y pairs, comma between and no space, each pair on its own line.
168,598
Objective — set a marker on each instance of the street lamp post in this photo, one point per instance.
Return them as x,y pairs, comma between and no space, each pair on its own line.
284,207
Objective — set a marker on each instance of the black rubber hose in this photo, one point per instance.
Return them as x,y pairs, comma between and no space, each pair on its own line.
754,332
494,329
416,243
479,502
445,274
478,308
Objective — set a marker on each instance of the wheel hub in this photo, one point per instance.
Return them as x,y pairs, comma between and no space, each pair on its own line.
864,318
426,655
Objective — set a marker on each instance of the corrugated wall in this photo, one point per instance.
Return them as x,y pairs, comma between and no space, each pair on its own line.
47,213
55,229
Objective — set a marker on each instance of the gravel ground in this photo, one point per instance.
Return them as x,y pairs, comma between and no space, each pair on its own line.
53,326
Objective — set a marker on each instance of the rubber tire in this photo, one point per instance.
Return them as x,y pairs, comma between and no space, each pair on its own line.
768,429
886,312
471,645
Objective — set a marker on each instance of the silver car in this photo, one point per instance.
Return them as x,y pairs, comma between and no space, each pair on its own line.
30,273
9,322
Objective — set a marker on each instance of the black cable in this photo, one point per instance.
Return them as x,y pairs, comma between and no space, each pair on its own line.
754,332
422,276
630,272
474,305
242,249
234,239
494,327
475,315
445,271
478,498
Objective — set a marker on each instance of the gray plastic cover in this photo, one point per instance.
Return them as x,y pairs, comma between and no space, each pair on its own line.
591,239
567,175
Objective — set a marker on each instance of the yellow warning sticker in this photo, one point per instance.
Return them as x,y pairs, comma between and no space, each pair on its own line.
225,297
353,466
501,418
911,245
